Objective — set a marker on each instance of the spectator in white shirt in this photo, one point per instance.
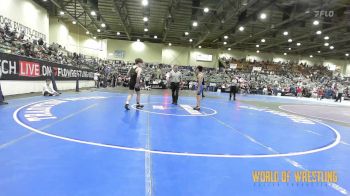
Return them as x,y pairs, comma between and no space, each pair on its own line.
47,89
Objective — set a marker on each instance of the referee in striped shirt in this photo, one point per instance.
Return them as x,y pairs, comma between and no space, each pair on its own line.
175,79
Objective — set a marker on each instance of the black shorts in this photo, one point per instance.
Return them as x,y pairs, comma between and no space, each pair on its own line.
132,86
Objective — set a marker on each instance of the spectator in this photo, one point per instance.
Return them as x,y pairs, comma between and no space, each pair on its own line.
47,90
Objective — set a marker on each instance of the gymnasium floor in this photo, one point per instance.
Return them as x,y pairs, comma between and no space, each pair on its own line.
87,144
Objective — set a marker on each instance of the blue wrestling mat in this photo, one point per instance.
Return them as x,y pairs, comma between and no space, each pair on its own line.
87,144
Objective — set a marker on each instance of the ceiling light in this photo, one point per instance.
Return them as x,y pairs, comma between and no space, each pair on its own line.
311,56
285,54
316,22
98,30
93,13
103,25
241,28
263,16
285,33
138,40
298,44
257,45
44,0
94,37
289,48
225,43
257,51
186,33
318,32
228,48
326,44
144,2
74,22
199,46
118,33
195,23
290,40
191,40
145,29
206,10
319,51
61,12
145,19
155,37
263,40
331,47
326,38
87,32
347,54
225,37
169,44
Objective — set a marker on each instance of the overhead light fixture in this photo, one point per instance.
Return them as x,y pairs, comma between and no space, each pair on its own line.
145,29
326,38
347,54
298,44
225,37
331,47
326,44
289,48
87,32
257,51
98,30
186,33
44,0
61,13
241,28
319,51
94,37
138,40
155,37
145,19
318,32
118,33
316,22
199,46
263,40
206,10
263,16
103,25
285,54
169,44
144,2
191,40
290,40
285,33
225,43
257,45
195,23
74,22
311,56
228,48
93,13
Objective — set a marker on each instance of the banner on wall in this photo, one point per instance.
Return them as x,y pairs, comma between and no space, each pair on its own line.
204,57
257,69
14,25
233,66
13,67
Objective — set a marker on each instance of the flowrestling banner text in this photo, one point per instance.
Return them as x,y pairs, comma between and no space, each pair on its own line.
13,67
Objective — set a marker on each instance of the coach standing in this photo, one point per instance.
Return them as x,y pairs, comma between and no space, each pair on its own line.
175,79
